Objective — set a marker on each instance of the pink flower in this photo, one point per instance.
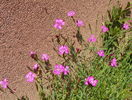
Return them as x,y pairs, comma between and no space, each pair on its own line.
63,49
58,69
86,82
36,66
113,62
94,82
4,83
30,77
92,38
79,23
104,28
126,26
45,57
66,70
71,13
59,23
101,53
90,80
33,54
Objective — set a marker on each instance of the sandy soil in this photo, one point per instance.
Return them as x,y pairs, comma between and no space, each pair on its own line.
27,25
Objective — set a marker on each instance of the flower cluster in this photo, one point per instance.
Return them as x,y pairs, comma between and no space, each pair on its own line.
59,69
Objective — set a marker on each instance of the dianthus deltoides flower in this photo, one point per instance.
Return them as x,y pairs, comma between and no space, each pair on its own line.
66,70
71,13
91,81
125,26
92,38
33,55
63,50
79,23
59,23
104,28
59,69
30,77
113,62
36,66
4,83
45,57
101,53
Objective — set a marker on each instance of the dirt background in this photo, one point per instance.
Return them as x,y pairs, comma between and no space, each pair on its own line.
27,25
